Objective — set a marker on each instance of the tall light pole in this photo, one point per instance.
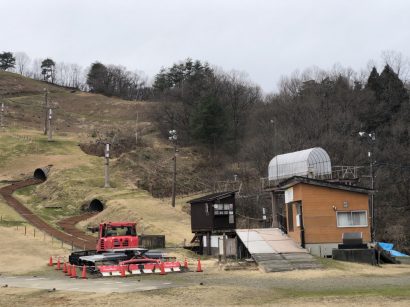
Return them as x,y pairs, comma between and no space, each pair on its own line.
106,165
173,138
371,137
274,201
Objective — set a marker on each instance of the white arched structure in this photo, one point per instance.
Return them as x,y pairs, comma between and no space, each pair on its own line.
312,163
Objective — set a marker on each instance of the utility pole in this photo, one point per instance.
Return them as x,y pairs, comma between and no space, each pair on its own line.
49,128
106,166
46,110
136,132
2,115
173,138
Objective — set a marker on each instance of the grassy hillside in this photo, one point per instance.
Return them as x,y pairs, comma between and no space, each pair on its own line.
76,111
76,177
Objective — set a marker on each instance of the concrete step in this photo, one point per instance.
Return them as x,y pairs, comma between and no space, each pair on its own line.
265,257
285,262
269,266
298,256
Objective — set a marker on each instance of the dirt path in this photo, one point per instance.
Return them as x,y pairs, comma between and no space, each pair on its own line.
71,235
68,225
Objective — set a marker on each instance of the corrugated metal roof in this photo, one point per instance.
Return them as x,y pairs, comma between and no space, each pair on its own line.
311,162
212,197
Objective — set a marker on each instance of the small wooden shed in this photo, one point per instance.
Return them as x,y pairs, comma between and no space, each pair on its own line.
212,215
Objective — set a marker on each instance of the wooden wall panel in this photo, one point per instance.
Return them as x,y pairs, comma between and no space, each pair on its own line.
319,216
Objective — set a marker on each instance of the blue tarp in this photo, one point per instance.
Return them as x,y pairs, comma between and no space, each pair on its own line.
389,248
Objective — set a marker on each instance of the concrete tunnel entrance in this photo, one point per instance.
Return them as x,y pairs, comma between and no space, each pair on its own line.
40,174
96,205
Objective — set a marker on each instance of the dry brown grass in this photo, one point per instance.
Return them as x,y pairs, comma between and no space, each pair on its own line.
152,215
22,254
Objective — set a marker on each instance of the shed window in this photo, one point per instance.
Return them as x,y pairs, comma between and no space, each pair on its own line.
351,219
223,209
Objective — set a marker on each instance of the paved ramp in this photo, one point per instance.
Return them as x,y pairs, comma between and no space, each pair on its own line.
274,251
88,285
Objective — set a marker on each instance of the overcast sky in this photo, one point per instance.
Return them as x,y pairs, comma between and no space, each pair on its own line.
266,39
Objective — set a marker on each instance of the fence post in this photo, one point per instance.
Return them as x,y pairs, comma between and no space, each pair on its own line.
34,232
25,230
62,243
72,245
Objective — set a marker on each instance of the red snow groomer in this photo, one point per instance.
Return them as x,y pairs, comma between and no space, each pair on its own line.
118,253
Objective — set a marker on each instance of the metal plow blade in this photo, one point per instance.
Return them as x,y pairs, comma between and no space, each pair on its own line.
138,269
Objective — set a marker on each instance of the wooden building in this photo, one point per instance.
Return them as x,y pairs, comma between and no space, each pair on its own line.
317,212
213,215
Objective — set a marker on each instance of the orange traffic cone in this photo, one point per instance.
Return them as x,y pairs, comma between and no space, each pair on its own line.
122,269
199,268
50,262
73,271
58,264
186,265
162,268
68,273
65,267
84,274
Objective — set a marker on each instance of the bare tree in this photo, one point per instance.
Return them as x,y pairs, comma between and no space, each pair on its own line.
22,63
239,95
75,75
69,74
36,69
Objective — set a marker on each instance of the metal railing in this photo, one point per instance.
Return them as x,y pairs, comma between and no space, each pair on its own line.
339,172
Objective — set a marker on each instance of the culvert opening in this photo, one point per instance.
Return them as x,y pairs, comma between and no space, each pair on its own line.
40,174
96,205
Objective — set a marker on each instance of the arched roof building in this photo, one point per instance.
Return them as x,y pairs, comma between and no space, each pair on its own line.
312,163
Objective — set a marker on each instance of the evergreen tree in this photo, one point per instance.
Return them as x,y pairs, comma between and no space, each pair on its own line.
373,83
208,122
389,96
97,78
394,94
48,67
7,60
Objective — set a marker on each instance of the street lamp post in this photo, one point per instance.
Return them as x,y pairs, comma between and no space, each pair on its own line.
173,138
371,137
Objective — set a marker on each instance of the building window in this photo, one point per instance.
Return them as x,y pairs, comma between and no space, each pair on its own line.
223,209
231,217
351,219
